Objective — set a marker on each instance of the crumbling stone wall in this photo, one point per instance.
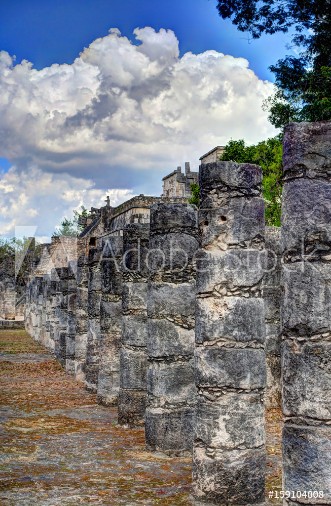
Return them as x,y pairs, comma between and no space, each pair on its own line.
171,392
229,445
133,353
306,303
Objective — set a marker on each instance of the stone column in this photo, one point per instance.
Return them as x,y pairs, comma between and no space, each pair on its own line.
306,312
81,312
61,350
53,316
71,317
110,320
58,317
38,294
133,356
93,333
271,296
171,318
229,445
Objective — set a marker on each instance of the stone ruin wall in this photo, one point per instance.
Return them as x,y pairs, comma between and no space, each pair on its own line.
196,351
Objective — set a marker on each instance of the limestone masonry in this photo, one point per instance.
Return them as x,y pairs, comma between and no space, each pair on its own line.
194,321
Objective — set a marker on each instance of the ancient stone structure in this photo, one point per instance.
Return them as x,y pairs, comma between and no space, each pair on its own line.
271,296
109,338
177,184
91,367
133,354
81,311
212,156
171,400
229,452
120,309
71,317
306,332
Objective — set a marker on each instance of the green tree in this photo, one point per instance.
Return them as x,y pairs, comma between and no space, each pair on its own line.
303,82
195,198
74,226
267,154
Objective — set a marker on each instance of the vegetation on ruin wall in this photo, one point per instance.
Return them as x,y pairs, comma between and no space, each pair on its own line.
268,155
74,226
16,256
304,81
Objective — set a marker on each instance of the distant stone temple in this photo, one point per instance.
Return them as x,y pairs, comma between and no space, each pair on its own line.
212,156
177,184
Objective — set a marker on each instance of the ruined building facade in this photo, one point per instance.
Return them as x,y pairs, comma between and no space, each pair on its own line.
195,321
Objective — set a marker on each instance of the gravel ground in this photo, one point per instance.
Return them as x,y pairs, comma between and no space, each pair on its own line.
61,448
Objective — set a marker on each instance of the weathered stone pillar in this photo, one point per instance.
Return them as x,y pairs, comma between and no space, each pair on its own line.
71,317
94,298
171,318
53,316
229,446
110,320
81,312
133,356
271,296
61,350
58,317
306,312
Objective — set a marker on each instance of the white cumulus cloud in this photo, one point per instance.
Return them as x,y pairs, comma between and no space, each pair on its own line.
120,116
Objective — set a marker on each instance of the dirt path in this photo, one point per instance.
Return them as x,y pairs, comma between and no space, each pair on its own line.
61,448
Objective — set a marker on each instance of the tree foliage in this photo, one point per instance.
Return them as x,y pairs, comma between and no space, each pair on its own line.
72,227
303,82
195,198
16,256
267,154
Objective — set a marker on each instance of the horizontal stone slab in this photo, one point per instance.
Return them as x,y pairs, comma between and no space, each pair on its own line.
307,150
131,407
133,369
171,252
240,221
224,177
230,477
306,219
229,367
232,269
171,299
230,318
233,421
134,330
164,217
171,383
307,379
134,296
169,431
307,461
306,307
167,339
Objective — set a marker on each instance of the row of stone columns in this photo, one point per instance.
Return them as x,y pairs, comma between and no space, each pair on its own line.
180,325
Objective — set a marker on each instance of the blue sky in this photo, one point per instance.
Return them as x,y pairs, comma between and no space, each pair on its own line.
99,112
55,31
